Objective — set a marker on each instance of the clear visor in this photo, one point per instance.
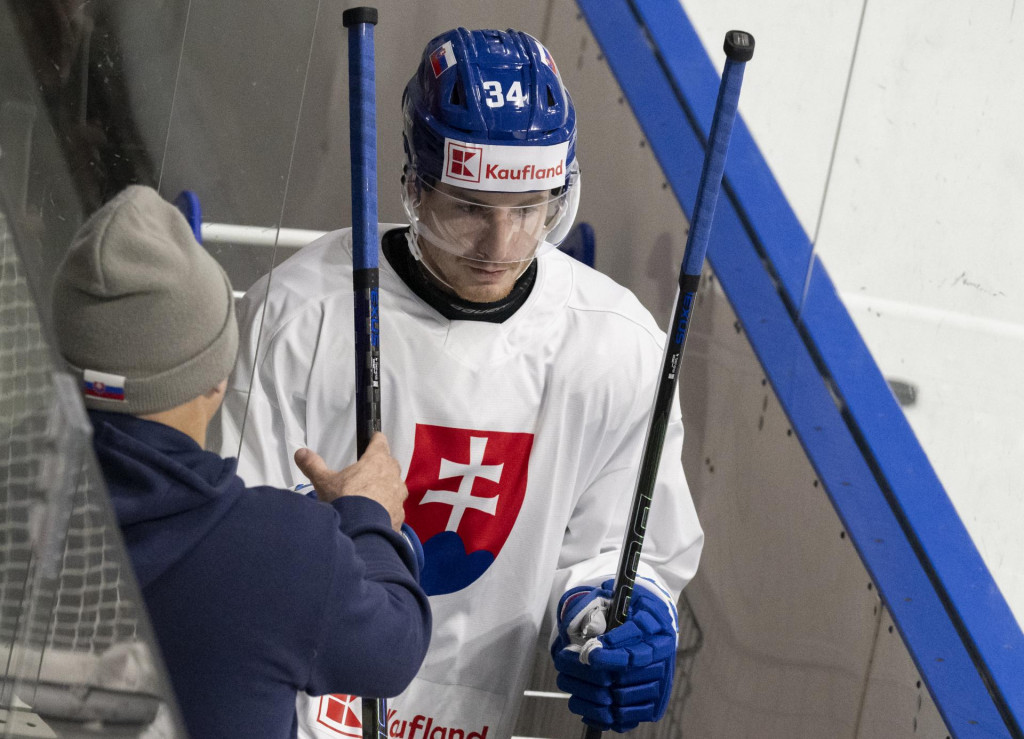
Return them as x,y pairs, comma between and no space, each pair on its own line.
497,228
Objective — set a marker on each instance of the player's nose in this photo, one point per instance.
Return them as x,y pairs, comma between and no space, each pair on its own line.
499,239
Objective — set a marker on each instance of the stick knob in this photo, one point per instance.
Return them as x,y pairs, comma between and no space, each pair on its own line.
352,16
739,46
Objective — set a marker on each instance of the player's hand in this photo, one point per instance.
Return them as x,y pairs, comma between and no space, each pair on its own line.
377,475
620,678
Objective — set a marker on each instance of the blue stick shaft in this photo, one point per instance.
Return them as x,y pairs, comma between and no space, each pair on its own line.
714,168
689,279
362,107
363,147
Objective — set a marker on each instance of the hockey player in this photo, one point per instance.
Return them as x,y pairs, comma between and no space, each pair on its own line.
253,593
516,387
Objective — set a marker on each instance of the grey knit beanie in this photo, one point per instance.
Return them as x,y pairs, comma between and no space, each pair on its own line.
143,314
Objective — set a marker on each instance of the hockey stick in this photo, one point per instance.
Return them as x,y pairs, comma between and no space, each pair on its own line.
739,48
362,111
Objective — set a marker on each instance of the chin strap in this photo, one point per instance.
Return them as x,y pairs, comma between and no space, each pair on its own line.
414,244
414,248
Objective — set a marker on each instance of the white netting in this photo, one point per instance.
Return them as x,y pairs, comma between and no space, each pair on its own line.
65,601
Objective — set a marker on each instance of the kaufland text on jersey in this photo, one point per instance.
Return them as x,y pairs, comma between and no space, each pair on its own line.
423,727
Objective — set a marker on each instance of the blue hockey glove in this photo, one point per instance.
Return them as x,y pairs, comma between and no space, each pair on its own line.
618,679
414,545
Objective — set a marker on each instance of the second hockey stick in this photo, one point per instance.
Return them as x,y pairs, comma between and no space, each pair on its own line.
362,109
739,48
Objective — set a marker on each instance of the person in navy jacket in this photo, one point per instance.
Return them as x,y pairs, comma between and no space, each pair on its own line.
245,616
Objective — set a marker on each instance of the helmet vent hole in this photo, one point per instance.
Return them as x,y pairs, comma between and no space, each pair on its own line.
456,96
551,98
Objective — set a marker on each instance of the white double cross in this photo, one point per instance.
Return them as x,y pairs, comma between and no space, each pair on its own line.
463,499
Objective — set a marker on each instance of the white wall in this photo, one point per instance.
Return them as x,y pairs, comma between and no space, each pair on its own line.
920,223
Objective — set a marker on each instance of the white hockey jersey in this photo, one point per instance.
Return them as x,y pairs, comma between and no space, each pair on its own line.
520,442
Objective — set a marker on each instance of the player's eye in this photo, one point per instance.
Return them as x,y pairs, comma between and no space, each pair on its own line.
470,209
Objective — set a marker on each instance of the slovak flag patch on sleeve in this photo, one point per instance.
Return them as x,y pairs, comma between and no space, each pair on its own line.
103,385
442,58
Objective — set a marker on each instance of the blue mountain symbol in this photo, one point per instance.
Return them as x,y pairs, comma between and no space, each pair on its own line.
447,567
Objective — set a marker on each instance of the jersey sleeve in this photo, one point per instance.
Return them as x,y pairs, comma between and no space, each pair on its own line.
593,538
262,420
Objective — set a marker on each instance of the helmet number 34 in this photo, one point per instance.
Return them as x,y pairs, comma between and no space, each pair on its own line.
496,98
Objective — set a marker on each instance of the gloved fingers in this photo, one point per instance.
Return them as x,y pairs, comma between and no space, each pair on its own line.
647,695
619,706
567,663
612,660
663,645
638,642
640,627
630,717
652,673
652,617
652,711
598,695
619,660
647,622
629,659
645,601
621,636
593,715
648,692
640,655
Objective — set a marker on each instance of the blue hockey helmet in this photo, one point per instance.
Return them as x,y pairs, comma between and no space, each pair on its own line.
487,110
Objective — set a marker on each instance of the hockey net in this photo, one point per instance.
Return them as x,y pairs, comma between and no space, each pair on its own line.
69,611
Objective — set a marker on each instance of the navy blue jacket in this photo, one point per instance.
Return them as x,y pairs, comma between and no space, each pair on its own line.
257,593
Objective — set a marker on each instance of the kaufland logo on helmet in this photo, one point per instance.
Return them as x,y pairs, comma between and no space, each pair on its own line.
527,173
504,168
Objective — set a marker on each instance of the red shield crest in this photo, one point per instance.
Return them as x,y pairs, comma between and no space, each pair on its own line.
466,488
